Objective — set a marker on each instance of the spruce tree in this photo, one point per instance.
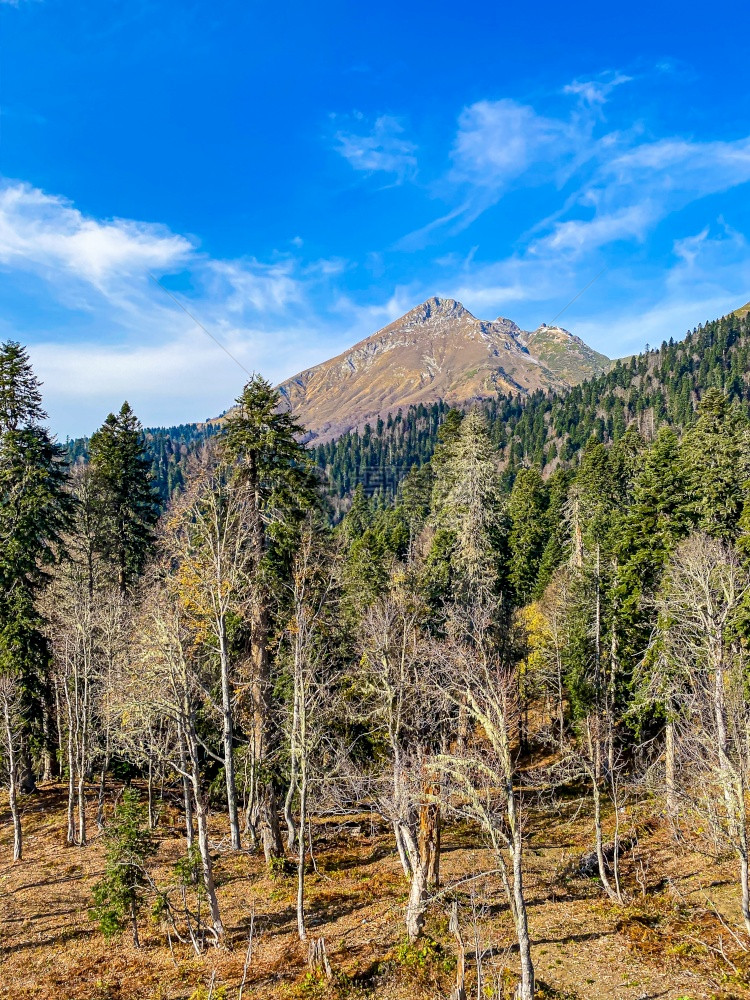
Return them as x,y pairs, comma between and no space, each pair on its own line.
557,546
120,895
263,443
528,532
658,516
35,510
713,456
467,512
128,503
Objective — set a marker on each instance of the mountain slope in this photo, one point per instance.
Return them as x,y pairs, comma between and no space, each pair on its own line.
549,429
437,351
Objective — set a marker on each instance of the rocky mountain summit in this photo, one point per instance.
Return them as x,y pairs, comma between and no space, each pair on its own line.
437,351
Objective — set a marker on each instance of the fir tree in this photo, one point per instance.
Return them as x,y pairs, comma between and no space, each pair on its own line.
120,895
127,501
528,532
713,458
35,510
272,465
467,509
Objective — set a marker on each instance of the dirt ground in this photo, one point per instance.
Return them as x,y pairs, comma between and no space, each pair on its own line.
676,937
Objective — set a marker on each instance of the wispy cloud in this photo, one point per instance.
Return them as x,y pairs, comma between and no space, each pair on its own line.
383,148
595,91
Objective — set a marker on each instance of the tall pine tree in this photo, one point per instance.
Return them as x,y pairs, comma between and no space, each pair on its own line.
35,510
127,501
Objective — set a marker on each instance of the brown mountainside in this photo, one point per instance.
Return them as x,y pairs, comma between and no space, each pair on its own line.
437,351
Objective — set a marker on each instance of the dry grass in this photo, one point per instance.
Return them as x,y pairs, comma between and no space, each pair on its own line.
667,942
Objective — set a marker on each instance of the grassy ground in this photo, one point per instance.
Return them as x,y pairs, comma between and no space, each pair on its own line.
668,941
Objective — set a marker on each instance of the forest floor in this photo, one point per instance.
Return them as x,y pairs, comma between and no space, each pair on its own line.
665,942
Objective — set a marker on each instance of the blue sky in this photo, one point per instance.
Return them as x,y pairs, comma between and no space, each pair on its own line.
300,174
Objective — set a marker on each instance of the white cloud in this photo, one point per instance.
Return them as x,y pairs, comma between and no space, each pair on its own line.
383,149
45,233
631,191
498,141
117,335
577,235
500,145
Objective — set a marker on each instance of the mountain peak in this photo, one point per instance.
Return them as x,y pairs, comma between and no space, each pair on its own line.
437,351
436,308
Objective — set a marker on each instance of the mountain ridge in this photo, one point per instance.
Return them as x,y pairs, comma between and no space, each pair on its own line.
437,351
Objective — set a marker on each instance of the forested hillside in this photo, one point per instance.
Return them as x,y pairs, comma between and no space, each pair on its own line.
490,737
660,386
548,429
167,450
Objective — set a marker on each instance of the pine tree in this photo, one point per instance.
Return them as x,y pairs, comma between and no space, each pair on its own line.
271,463
713,458
120,895
128,503
528,532
467,509
35,510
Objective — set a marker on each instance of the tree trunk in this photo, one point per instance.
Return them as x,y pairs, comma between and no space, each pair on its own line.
459,990
669,772
71,773
405,864
301,856
600,860
417,904
268,821
204,847
429,833
13,786
527,987
268,814
49,757
150,792
187,798
26,779
134,925
227,732
745,888
102,790
81,809
291,834
58,723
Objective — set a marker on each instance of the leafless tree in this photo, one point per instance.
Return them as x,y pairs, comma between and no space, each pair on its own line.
701,596
313,591
156,698
481,770
395,700
211,535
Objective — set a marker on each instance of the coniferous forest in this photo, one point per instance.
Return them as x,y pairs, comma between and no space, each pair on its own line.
432,710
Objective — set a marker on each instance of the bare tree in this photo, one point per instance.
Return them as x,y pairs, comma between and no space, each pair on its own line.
482,769
212,537
313,590
156,699
395,701
701,596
